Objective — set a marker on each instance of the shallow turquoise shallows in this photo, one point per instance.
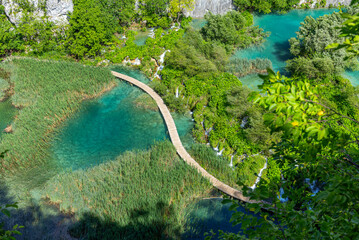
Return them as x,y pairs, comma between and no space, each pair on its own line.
7,113
276,48
106,127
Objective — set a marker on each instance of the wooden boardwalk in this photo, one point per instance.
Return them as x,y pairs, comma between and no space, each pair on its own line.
172,130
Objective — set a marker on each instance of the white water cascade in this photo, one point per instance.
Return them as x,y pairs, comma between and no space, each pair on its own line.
232,156
160,62
244,122
220,152
177,93
260,175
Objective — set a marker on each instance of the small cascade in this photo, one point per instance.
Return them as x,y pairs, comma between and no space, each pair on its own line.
208,131
313,186
244,122
177,93
152,33
259,175
281,193
160,63
232,156
216,148
220,152
231,163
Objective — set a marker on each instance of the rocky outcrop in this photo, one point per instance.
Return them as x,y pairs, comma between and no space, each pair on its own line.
56,10
329,2
215,6
336,2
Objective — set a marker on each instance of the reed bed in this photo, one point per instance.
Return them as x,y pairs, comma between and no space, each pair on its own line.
218,166
249,169
47,92
243,67
141,195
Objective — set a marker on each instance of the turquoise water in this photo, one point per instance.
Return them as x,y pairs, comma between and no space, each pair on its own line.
140,38
353,77
7,114
276,47
106,127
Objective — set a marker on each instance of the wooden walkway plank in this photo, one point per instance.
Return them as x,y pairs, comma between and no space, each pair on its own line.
176,141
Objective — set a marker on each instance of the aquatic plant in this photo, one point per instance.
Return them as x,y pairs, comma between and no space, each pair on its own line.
47,92
243,67
141,194
216,165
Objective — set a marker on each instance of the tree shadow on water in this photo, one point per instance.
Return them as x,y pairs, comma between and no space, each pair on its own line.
44,222
39,221
281,51
143,225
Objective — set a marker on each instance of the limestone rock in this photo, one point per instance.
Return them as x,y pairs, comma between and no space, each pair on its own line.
56,10
215,6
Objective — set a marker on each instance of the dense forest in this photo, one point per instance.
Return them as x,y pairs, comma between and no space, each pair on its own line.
303,122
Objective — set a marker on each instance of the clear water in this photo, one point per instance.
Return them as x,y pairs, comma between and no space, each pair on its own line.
140,38
276,48
207,215
106,127
198,23
7,114
353,77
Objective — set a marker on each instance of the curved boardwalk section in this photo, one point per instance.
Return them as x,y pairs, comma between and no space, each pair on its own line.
172,130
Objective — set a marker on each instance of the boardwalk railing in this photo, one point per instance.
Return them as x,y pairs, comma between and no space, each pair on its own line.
176,141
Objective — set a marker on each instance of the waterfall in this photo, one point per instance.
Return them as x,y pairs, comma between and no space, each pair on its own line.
260,175
220,152
231,163
216,148
208,131
313,186
160,62
152,33
244,122
177,93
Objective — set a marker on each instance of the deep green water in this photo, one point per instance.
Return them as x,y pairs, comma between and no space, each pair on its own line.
207,215
106,127
7,114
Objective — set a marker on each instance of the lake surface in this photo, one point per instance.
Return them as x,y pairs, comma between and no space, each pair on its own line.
7,114
106,127
209,214
276,48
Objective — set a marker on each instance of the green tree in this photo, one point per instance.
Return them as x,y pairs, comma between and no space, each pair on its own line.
177,7
90,29
349,31
122,11
9,40
317,151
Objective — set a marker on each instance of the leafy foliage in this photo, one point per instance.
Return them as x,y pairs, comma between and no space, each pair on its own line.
90,29
266,6
349,31
313,58
233,28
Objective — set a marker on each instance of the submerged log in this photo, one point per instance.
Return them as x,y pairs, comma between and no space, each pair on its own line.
8,129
